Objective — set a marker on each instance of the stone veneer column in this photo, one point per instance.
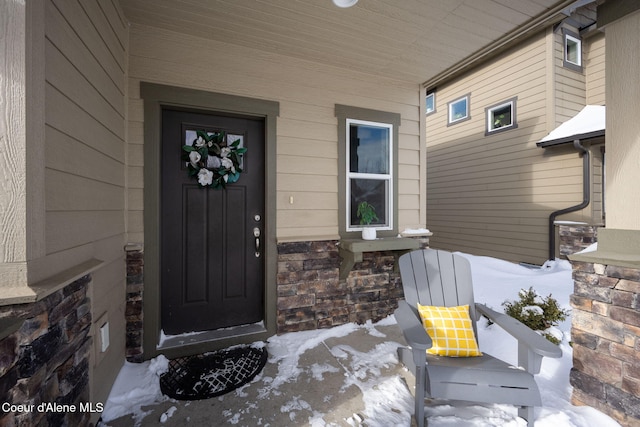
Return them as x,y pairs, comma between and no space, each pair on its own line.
576,237
133,313
606,340
46,360
606,318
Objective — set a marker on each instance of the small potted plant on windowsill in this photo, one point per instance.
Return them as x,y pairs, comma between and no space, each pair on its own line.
367,214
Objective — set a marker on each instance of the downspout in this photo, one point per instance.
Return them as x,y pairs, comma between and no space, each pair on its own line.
586,198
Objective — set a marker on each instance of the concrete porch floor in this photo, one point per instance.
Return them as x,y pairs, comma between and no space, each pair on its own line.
328,390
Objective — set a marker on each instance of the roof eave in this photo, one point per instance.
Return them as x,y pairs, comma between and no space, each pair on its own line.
551,17
570,139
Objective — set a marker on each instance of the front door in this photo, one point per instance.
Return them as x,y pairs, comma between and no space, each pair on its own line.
211,255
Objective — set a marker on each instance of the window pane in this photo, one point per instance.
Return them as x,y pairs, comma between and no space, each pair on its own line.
192,135
572,51
430,103
373,191
500,117
458,110
369,149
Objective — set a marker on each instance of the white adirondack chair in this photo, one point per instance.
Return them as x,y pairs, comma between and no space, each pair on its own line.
440,278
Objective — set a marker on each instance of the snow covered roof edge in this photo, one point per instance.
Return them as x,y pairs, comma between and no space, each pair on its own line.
588,123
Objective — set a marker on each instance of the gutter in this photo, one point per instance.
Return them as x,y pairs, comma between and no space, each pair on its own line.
586,197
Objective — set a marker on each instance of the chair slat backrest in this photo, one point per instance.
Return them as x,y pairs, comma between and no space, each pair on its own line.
437,277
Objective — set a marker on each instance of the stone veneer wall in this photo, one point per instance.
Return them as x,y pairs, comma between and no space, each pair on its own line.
133,311
311,296
606,340
576,237
46,360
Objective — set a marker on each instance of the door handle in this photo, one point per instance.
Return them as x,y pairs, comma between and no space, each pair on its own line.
256,234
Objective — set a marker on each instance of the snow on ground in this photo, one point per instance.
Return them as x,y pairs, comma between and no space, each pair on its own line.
137,385
387,399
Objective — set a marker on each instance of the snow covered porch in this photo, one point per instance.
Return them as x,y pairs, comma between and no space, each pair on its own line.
350,375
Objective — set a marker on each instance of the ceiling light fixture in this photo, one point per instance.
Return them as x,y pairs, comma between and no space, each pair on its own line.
345,3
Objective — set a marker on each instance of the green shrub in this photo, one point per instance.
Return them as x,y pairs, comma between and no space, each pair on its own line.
536,312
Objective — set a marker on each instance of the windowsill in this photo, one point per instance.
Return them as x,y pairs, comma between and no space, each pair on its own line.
352,250
417,234
500,129
40,290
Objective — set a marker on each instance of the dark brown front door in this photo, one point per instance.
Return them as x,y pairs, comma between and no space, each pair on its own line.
212,269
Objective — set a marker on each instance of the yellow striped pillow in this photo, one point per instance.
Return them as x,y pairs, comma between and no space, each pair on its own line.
450,330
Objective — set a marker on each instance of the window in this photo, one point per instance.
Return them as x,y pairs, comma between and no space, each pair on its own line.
430,106
572,51
368,168
369,171
459,110
501,117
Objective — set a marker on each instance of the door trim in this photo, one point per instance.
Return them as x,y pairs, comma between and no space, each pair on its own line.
156,97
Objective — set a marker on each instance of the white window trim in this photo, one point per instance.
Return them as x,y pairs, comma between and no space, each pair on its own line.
432,95
578,43
573,37
450,105
382,177
489,117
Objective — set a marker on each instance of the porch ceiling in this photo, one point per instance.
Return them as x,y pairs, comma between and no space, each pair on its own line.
409,40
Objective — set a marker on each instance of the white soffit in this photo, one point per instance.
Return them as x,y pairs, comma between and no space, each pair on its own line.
404,40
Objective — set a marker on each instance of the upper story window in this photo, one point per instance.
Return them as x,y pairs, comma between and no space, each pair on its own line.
502,116
369,168
459,110
572,50
430,103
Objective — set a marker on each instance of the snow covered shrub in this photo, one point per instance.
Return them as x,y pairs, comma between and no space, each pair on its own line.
540,314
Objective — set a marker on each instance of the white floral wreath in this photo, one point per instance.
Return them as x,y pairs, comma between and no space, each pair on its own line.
212,160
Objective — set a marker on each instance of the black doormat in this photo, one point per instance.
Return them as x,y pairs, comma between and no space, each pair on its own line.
212,374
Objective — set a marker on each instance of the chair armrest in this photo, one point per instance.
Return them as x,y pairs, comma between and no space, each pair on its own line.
521,332
414,332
